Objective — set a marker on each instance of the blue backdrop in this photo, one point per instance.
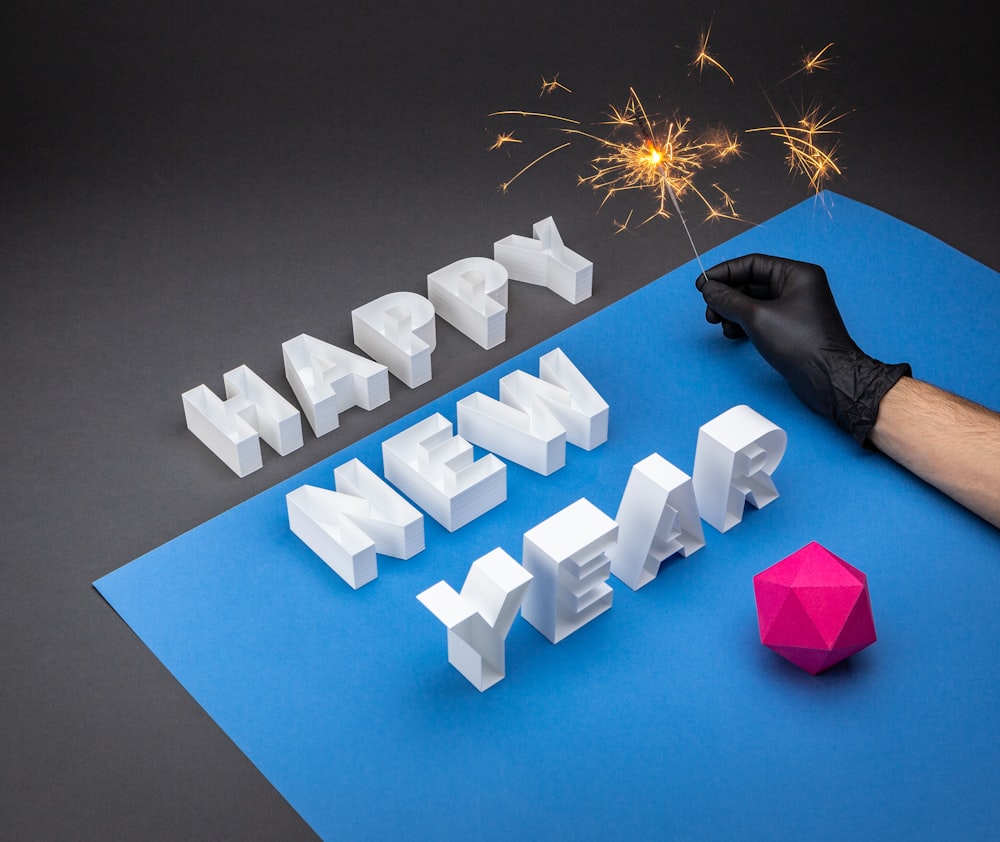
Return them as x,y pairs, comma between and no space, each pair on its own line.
665,717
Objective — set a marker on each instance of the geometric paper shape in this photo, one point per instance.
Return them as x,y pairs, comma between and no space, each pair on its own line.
479,618
328,380
439,472
657,517
471,295
567,555
813,608
232,428
536,416
398,330
735,456
543,260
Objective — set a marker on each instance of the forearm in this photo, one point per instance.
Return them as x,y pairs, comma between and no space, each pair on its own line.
949,442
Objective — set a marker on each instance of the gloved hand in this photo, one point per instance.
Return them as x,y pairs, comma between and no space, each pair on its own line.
787,310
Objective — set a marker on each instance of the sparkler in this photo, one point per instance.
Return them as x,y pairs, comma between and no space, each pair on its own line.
643,154
659,157
665,158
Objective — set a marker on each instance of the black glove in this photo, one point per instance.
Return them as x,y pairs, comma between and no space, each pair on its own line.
787,310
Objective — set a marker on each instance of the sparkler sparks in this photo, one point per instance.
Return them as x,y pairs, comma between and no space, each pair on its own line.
704,58
551,85
622,227
665,158
818,60
812,62
661,157
503,139
811,145
523,170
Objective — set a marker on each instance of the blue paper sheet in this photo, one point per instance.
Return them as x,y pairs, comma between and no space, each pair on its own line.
664,718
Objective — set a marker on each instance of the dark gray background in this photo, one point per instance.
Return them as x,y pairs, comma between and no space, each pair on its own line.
185,186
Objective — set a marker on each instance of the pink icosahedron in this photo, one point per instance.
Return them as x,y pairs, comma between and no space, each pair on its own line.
813,608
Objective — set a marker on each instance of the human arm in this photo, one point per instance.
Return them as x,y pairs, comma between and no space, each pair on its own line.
946,440
787,310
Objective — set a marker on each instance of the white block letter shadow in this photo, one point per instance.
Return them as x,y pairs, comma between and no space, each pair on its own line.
657,517
398,330
545,261
439,472
347,527
736,454
232,428
536,416
327,380
567,555
471,295
479,618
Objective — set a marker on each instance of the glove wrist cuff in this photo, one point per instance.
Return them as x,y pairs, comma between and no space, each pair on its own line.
862,386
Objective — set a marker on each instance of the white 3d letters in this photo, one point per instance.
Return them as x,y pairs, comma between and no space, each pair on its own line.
327,380
396,527
536,416
585,416
471,295
479,618
232,429
347,527
439,472
567,556
657,517
398,330
545,261
736,454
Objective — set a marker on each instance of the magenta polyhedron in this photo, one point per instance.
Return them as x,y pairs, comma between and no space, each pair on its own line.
813,608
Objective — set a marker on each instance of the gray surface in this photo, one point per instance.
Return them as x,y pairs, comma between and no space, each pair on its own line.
183,190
